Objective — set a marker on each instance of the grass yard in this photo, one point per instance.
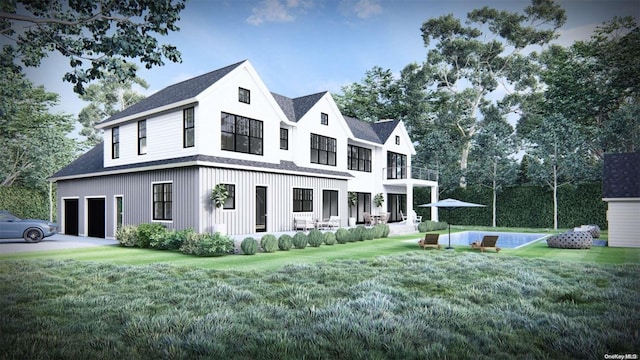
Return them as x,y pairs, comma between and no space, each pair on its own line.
376,299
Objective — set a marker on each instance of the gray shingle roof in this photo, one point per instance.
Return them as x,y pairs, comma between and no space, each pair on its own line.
177,92
297,107
91,163
621,175
384,129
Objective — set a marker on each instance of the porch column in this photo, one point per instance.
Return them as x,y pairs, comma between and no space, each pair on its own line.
410,219
434,198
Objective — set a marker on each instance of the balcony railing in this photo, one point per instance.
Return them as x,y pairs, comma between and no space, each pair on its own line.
416,173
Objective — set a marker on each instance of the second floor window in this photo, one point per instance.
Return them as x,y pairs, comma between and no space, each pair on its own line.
302,200
241,134
115,142
284,139
188,128
396,166
142,137
324,119
244,96
323,150
359,158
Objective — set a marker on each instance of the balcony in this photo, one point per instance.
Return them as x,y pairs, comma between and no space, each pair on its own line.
415,173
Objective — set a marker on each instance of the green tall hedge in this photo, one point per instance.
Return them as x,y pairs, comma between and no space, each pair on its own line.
525,206
26,203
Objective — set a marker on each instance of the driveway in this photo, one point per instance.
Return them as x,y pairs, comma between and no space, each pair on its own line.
55,242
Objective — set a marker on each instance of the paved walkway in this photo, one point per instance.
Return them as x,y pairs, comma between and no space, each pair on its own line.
55,242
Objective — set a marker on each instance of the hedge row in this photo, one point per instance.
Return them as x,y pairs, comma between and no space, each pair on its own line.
314,238
524,206
26,203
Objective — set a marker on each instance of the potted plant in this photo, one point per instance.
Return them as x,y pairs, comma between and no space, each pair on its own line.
378,200
352,199
219,195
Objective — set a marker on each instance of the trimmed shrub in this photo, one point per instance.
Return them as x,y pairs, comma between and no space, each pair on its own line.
127,235
300,240
355,234
269,243
429,225
378,231
385,230
207,244
285,242
249,246
369,234
329,238
342,236
169,240
315,238
146,231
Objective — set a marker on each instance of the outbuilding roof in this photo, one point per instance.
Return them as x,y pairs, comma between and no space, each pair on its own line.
621,176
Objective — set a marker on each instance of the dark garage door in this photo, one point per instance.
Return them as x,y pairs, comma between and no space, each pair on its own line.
71,217
96,218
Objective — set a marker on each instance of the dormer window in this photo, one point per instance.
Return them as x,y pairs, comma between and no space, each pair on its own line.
397,140
244,96
324,119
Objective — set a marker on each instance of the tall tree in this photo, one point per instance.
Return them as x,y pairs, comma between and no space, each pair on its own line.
491,152
558,156
469,64
373,99
96,36
34,142
107,97
595,82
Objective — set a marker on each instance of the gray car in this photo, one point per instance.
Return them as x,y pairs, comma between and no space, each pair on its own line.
12,227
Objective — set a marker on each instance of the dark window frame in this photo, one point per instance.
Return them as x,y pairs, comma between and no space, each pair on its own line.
397,140
357,158
324,119
188,128
163,201
142,137
302,200
396,165
284,139
323,150
115,142
243,132
244,95
230,202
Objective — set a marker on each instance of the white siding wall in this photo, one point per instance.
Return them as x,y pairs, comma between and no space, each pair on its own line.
624,227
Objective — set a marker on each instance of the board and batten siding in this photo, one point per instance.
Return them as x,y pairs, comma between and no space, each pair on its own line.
624,228
242,219
137,192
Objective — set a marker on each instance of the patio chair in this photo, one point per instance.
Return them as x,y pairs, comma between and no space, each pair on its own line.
404,217
430,240
488,242
367,218
383,218
416,218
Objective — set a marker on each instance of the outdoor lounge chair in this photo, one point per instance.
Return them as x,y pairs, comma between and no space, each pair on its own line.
404,217
430,240
367,218
488,242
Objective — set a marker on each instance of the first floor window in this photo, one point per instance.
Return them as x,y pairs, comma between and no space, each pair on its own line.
323,150
230,202
188,128
302,200
115,142
162,201
329,203
241,134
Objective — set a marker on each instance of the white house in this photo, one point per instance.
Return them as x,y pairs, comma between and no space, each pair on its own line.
278,158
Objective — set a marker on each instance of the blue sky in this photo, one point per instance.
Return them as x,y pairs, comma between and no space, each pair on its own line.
300,47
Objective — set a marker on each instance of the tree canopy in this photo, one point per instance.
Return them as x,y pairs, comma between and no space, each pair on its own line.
97,37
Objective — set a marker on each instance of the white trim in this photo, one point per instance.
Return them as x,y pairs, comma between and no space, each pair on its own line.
115,212
630,199
147,113
86,212
63,218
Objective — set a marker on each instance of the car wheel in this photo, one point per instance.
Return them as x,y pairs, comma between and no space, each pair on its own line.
33,235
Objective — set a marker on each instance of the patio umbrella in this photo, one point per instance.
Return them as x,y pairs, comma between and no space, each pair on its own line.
450,204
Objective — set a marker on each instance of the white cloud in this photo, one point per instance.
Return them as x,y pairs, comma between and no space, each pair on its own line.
367,8
277,11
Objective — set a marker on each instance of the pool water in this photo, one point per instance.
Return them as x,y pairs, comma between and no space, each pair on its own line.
505,239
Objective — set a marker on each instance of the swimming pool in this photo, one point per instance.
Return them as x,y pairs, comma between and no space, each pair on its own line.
505,239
